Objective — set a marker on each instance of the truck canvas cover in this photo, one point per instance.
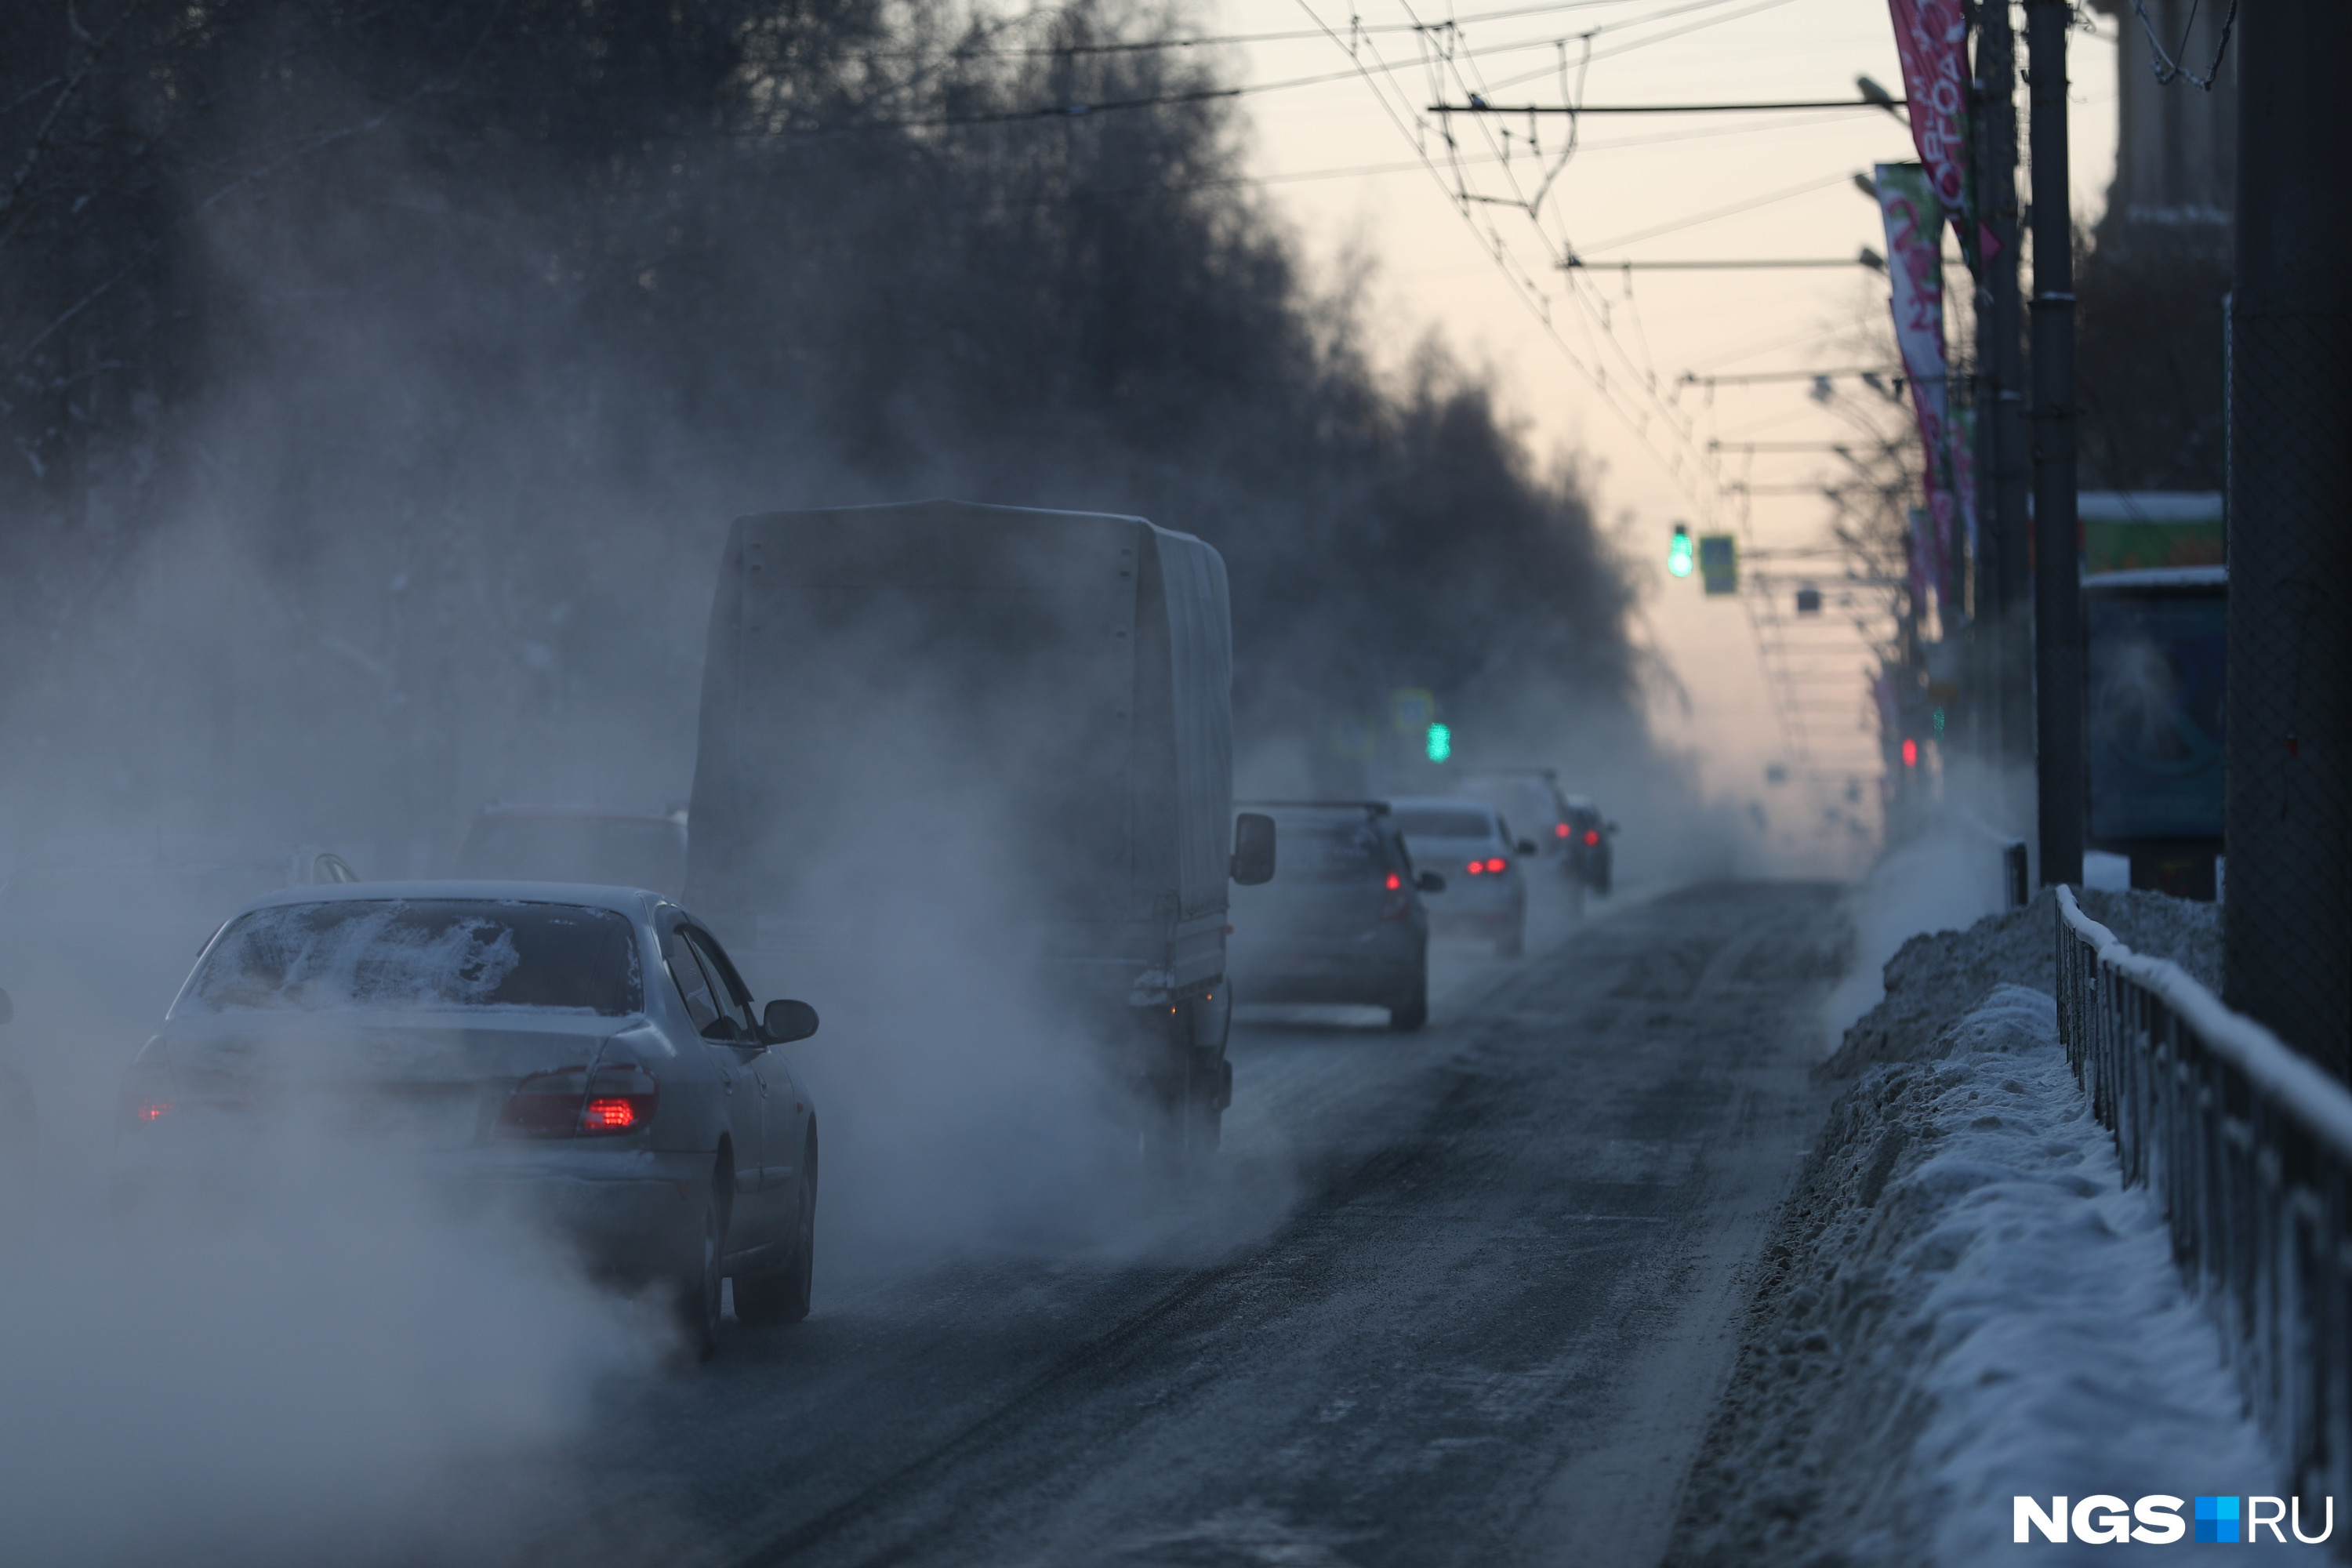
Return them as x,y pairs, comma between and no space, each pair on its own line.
1020,715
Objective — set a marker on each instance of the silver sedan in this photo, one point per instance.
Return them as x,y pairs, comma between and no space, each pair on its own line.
589,1053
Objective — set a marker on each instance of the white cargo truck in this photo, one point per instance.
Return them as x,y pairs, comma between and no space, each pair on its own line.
944,735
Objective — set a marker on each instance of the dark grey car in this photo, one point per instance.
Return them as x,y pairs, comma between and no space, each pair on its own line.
588,1055
1342,921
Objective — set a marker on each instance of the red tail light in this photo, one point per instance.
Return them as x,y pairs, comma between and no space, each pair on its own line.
1398,904
1560,830
1476,867
1592,836
577,1103
148,1095
608,1113
1497,866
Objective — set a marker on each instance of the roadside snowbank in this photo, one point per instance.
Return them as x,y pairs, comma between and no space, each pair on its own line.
1945,880
1962,1303
1935,976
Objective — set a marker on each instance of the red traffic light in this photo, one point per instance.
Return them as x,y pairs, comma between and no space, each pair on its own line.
1910,753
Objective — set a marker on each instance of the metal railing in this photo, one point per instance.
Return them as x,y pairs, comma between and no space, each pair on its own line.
2250,1148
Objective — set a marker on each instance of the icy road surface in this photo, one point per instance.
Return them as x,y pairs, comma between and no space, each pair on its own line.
1486,1326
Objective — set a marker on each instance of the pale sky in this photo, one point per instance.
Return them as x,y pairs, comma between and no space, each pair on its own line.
1629,176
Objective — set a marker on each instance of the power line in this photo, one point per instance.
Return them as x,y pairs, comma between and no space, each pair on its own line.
1869,259
2169,69
1477,105
1081,109
1691,378
1709,217
1594,310
1144,46
1521,281
1843,448
1632,44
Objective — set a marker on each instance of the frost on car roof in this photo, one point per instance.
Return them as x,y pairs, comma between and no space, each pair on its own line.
419,954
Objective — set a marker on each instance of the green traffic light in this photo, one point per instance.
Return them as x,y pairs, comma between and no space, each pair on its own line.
1678,553
1939,720
1441,742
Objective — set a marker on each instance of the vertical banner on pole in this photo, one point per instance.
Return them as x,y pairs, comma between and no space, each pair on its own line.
1915,264
1960,448
1932,37
1921,560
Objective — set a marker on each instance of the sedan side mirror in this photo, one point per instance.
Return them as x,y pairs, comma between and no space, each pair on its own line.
1253,848
1527,846
785,1022
1430,882
7,1008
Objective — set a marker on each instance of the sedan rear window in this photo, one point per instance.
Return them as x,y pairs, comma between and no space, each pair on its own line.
420,953
1444,822
1330,852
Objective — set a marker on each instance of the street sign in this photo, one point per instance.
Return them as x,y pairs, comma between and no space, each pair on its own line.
1719,562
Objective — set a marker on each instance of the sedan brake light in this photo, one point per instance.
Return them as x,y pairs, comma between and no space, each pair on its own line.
1592,836
1396,903
1475,867
573,1103
148,1094
1497,866
621,1098
1560,830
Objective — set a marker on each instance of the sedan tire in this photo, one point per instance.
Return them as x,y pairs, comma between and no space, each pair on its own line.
1414,1013
783,1297
697,1302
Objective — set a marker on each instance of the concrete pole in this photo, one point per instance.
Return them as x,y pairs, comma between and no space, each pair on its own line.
2003,472
2286,921
2057,577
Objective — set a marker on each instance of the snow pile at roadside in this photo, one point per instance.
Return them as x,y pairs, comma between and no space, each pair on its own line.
1944,879
1935,976
1962,1304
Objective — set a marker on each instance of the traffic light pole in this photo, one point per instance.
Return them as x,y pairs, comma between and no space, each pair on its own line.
2057,574
2286,913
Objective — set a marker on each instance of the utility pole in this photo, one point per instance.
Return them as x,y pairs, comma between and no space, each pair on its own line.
2003,584
2057,577
2287,916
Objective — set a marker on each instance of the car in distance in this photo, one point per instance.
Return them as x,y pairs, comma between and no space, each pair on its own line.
587,1054
1342,921
1566,829
1469,844
1589,854
577,844
1530,799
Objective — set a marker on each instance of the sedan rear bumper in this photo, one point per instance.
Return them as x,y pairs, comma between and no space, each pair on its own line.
633,1215
1329,979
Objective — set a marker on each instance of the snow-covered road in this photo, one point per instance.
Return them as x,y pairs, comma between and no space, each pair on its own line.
1463,1297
